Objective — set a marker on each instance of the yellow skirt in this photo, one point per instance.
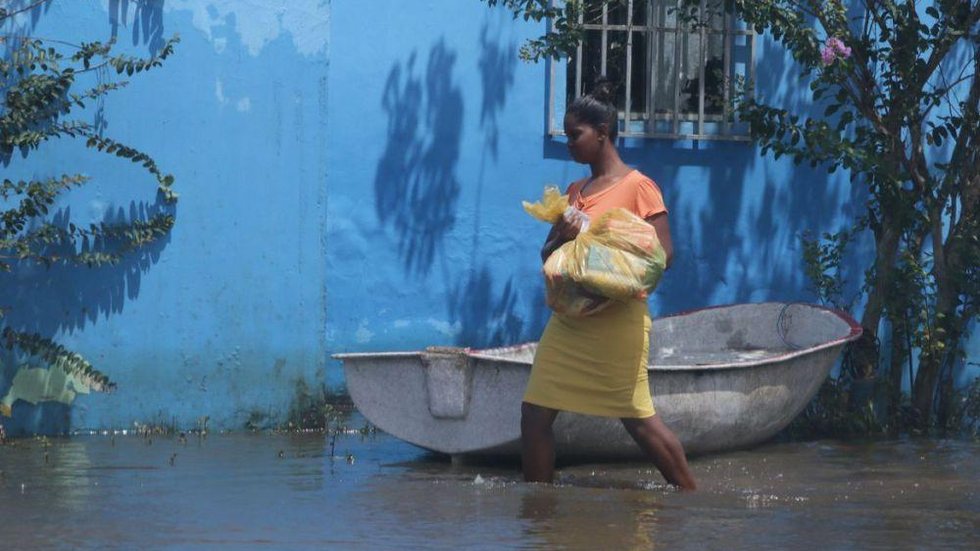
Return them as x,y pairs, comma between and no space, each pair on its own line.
596,365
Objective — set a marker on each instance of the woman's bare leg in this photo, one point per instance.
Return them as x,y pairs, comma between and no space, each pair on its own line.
537,442
663,447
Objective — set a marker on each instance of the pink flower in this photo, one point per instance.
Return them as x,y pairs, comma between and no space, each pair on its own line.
827,55
834,48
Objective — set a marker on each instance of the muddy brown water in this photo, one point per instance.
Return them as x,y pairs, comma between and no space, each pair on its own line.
286,491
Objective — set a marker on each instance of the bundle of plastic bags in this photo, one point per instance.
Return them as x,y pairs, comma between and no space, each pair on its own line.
616,258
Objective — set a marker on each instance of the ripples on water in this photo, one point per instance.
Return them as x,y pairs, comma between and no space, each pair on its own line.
276,491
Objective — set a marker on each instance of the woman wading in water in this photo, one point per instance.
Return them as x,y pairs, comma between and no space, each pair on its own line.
597,364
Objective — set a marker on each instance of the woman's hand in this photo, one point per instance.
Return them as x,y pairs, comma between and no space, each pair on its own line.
572,223
564,230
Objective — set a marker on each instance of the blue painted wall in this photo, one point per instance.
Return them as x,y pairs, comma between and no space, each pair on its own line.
351,176
227,315
438,133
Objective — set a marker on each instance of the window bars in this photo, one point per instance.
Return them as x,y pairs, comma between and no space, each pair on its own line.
677,76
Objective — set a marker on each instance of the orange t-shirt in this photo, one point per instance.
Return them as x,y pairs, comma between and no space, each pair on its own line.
633,192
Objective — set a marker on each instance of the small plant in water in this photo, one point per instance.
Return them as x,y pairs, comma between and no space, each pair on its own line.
202,425
257,420
368,429
316,408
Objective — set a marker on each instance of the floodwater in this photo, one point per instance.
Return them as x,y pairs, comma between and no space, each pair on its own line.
288,491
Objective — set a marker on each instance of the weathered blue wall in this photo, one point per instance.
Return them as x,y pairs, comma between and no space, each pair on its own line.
227,315
351,176
438,133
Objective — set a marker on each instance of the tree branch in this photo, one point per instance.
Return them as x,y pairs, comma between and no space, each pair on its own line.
966,146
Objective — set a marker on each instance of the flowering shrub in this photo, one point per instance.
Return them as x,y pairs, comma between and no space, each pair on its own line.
833,49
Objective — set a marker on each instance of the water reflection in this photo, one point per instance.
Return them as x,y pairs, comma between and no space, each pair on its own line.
288,491
574,518
70,467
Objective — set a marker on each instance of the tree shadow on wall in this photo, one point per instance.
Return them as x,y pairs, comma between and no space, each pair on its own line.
64,298
147,21
32,9
416,188
488,317
498,65
61,299
485,315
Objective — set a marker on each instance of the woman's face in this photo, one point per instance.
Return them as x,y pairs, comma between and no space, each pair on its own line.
584,140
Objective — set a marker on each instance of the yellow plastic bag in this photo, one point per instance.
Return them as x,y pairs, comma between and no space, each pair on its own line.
551,206
618,258
564,296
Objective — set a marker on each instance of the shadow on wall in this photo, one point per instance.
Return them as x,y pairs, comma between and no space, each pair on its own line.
147,21
147,25
703,243
65,298
62,299
28,13
498,65
487,316
415,187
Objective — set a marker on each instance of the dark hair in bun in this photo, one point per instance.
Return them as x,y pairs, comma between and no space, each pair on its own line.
597,107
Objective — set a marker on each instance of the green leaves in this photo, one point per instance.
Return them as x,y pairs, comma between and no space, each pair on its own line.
37,83
37,197
564,33
106,243
824,266
57,356
36,88
113,147
132,65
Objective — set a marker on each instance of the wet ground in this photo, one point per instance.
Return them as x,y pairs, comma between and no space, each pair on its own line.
287,491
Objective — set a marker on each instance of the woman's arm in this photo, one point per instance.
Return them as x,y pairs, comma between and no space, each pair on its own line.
562,232
550,243
662,226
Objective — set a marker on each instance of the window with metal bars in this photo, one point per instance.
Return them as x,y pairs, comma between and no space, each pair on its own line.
676,75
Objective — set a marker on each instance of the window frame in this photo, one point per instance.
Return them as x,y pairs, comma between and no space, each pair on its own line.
680,125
